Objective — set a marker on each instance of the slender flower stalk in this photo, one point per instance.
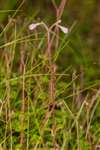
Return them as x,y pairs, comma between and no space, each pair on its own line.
52,66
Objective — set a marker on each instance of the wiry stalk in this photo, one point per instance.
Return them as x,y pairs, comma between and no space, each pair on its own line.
59,11
22,71
8,104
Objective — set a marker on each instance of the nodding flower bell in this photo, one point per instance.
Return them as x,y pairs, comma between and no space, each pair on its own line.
33,26
63,29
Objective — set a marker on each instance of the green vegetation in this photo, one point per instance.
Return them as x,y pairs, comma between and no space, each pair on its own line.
49,80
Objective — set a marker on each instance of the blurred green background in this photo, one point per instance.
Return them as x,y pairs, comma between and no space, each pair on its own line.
78,58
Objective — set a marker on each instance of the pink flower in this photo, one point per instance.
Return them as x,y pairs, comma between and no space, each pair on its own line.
63,29
33,26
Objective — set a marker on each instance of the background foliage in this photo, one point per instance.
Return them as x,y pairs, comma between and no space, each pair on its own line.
26,119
